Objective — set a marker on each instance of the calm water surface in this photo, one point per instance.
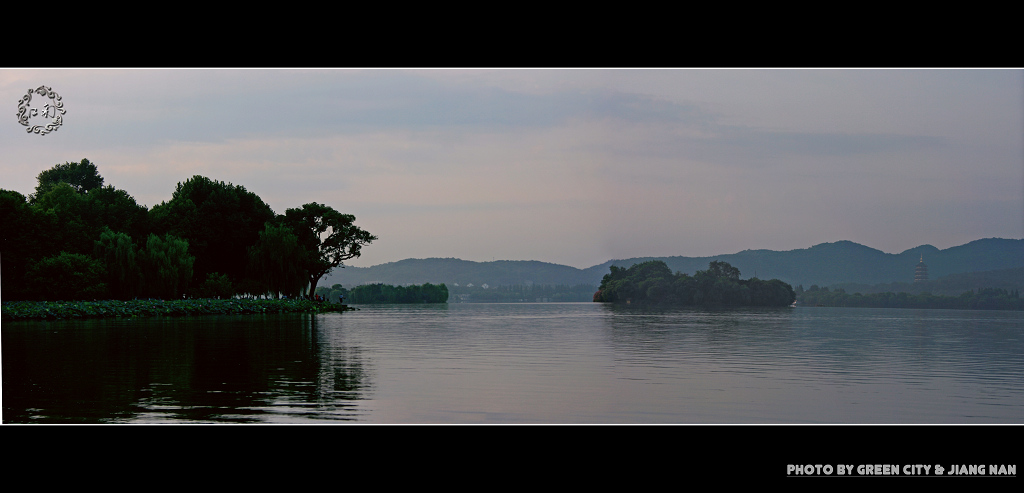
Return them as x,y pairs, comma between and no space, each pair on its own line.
522,363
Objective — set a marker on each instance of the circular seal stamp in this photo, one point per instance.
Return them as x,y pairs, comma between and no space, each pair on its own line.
52,110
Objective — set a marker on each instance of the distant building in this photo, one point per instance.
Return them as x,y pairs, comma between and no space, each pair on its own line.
921,271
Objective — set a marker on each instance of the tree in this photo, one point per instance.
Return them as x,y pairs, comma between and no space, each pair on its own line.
328,237
117,209
118,254
167,266
216,286
219,220
26,235
723,269
67,276
277,261
69,210
83,216
82,176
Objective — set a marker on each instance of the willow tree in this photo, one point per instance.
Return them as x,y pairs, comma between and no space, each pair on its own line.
118,254
167,266
328,237
277,260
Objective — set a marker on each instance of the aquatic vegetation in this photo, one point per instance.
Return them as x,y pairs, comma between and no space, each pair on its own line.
50,310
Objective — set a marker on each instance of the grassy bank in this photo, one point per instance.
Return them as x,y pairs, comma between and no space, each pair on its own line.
54,310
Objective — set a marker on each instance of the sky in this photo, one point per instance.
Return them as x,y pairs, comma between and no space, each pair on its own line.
570,166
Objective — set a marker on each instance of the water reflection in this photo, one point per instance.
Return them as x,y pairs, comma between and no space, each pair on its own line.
523,363
827,365
261,368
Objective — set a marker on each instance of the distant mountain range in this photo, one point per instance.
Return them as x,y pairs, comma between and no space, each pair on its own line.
841,262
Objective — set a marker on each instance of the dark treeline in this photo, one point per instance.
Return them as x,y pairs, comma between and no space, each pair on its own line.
720,284
332,294
981,299
76,239
385,293
521,293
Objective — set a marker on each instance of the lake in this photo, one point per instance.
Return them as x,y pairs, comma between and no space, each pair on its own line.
522,363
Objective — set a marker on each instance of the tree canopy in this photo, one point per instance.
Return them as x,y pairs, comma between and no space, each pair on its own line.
219,220
82,176
75,237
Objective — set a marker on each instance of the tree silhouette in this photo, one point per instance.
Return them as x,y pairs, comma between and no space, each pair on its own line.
328,237
82,176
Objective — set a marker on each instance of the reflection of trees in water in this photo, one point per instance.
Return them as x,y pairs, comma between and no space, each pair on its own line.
340,377
846,345
69,372
217,368
667,328
256,368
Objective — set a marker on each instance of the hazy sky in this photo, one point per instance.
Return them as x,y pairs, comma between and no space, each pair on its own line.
568,166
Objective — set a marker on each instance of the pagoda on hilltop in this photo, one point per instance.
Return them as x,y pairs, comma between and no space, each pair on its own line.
921,271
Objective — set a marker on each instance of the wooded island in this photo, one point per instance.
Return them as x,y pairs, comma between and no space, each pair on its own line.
653,282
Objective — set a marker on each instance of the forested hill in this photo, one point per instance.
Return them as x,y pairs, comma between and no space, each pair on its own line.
849,262
825,264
